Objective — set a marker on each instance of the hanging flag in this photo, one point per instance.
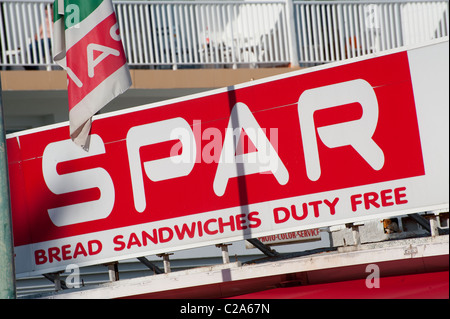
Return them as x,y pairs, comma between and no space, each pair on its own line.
88,46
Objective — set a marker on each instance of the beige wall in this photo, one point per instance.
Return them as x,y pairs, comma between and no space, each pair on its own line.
143,79
37,98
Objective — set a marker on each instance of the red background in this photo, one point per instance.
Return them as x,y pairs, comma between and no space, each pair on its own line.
274,105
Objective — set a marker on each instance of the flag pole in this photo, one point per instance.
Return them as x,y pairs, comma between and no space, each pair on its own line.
7,272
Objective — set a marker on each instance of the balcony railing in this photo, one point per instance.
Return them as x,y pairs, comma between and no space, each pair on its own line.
336,30
199,34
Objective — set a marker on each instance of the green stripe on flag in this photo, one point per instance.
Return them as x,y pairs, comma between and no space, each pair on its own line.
56,15
75,11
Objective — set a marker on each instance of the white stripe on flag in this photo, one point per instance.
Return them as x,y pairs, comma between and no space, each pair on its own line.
116,84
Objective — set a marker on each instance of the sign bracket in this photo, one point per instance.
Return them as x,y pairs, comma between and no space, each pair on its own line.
266,250
150,265
56,279
113,271
422,221
166,261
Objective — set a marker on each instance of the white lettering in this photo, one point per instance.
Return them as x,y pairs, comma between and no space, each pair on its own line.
92,63
66,150
161,169
74,77
232,164
114,32
357,133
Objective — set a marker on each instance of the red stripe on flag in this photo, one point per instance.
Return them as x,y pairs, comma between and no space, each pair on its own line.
77,60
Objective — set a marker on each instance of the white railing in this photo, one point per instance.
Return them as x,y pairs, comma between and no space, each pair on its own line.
175,34
335,30
20,23
207,33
